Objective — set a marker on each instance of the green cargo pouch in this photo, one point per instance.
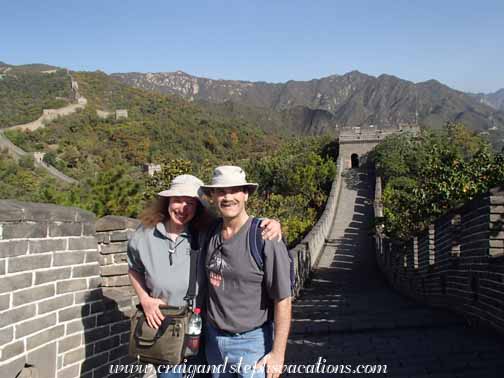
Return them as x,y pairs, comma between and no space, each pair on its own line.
167,344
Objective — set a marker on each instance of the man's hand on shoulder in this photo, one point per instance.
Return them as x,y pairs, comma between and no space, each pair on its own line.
271,229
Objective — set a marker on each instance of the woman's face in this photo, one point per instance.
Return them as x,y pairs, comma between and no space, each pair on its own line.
182,209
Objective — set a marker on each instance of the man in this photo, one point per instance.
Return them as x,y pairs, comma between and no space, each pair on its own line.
244,299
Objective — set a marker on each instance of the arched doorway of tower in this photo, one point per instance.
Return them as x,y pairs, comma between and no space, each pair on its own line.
355,161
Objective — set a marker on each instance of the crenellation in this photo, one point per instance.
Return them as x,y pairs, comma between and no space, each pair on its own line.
461,273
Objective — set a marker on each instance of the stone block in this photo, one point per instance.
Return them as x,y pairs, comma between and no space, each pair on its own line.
120,327
11,210
4,302
52,275
77,355
109,317
118,236
81,325
119,352
13,349
28,263
84,243
10,248
94,362
114,270
11,283
12,368
55,303
88,296
114,223
6,335
88,229
116,281
69,258
89,270
107,344
94,282
65,229
42,211
72,313
70,372
47,245
118,247
96,334
17,315
63,287
45,336
70,342
92,256
106,259
33,294
103,237
84,216
35,325
25,230
120,258
2,267
497,244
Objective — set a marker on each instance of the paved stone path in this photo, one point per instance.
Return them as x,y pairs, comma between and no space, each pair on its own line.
349,316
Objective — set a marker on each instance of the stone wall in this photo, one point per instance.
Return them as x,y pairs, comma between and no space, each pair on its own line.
56,311
458,263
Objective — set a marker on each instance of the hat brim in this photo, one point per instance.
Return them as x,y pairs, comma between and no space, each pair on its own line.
177,193
251,187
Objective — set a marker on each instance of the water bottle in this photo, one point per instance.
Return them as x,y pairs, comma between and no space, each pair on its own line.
193,333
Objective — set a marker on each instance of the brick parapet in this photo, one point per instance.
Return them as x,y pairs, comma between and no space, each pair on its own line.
55,312
460,261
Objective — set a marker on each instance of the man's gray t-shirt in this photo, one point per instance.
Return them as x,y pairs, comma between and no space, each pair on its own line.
240,294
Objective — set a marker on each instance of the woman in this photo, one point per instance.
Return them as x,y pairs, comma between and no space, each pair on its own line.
159,250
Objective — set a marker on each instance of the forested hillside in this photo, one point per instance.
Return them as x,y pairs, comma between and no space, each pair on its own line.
106,156
26,90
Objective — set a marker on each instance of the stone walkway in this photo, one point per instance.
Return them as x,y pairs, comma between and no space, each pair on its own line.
349,316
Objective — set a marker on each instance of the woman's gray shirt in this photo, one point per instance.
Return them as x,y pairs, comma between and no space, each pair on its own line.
149,254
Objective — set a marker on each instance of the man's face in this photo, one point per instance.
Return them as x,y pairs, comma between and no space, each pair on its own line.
230,201
182,209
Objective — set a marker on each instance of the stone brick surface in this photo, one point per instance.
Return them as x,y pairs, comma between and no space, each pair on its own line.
25,230
47,245
49,334
83,243
16,282
35,325
80,325
55,303
33,294
118,247
65,229
2,267
114,270
6,335
4,301
69,258
28,263
17,315
73,313
116,281
52,275
13,349
70,342
69,372
63,287
10,248
113,223
86,270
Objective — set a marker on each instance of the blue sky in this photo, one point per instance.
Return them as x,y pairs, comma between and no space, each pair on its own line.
460,43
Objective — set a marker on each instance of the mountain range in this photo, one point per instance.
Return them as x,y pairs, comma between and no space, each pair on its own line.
324,105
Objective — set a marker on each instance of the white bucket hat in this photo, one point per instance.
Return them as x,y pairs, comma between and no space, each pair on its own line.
183,186
228,176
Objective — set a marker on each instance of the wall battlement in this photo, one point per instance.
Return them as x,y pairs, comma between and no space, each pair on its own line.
458,263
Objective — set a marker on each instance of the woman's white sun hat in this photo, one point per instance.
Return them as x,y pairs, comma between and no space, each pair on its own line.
229,176
183,186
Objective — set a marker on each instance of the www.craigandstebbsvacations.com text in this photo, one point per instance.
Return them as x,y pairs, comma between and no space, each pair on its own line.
319,367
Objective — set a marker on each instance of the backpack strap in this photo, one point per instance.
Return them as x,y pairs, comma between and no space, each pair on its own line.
193,272
256,242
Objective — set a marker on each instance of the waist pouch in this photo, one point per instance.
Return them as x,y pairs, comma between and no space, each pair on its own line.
165,345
